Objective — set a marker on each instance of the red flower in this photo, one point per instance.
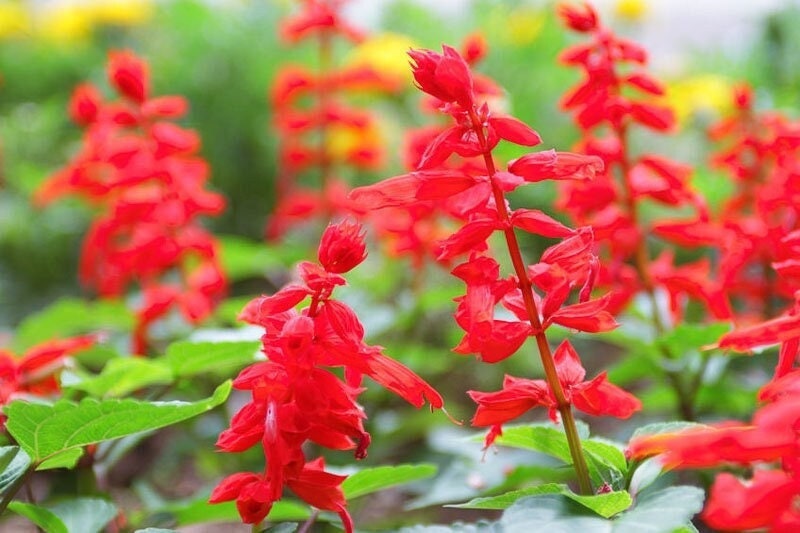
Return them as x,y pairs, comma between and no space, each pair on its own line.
35,372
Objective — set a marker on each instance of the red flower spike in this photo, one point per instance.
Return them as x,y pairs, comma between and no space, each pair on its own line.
342,247
129,75
534,221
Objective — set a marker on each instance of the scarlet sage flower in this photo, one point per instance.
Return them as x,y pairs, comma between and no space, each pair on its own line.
538,295
35,372
295,399
144,174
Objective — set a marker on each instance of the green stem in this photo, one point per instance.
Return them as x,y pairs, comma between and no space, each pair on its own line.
548,362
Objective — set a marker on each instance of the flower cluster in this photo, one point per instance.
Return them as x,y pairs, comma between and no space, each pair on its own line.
537,296
770,443
319,131
144,174
615,94
35,372
295,399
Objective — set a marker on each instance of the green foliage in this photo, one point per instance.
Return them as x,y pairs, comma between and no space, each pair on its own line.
53,435
67,317
371,480
187,358
14,463
78,515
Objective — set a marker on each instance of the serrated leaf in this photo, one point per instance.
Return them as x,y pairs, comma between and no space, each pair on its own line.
553,513
44,518
68,317
371,480
662,511
84,515
65,459
15,464
124,375
504,501
44,431
607,452
605,505
188,359
601,456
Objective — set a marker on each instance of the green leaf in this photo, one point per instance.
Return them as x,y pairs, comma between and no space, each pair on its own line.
200,511
606,505
44,518
606,452
662,511
659,428
553,513
84,515
601,456
65,459
371,480
504,501
124,375
69,317
243,258
45,431
15,463
687,338
188,359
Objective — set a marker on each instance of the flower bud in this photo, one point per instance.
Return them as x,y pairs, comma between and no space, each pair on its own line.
342,247
129,75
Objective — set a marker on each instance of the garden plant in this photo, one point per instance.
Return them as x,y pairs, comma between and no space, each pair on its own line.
586,288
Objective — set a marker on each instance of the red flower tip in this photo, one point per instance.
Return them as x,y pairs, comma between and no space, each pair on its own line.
474,47
342,247
444,76
85,104
128,73
743,96
581,18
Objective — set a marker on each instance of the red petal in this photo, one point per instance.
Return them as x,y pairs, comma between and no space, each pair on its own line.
534,221
656,117
470,237
514,130
587,316
257,311
599,397
517,397
773,331
411,188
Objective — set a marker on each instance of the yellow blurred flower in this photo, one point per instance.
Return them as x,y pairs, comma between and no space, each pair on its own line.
704,94
122,12
517,27
14,19
64,23
631,10
385,53
524,25
344,141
